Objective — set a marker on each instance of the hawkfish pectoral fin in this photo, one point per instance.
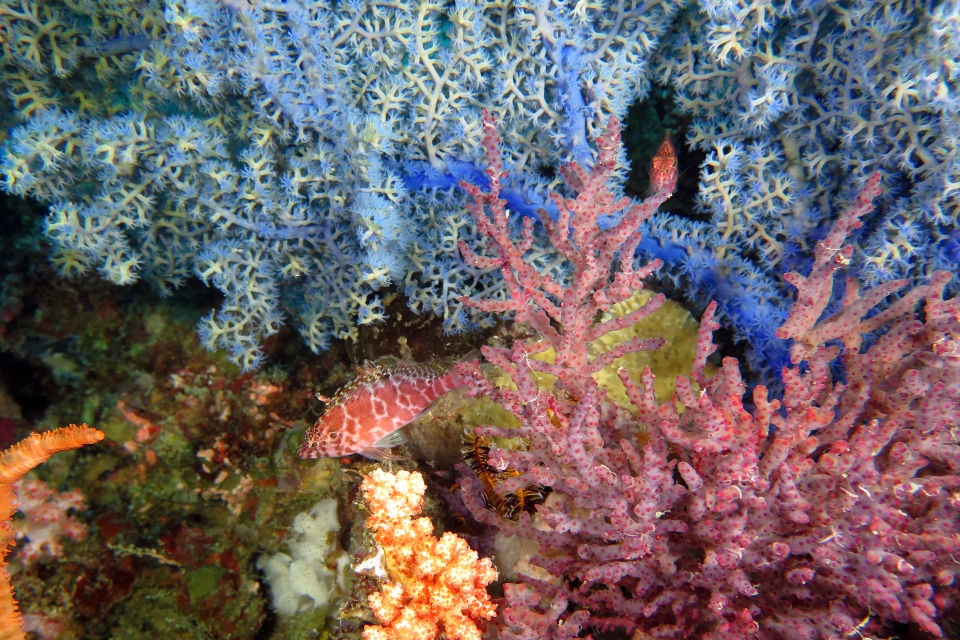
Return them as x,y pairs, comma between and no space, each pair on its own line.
470,357
380,455
378,450
427,409
394,439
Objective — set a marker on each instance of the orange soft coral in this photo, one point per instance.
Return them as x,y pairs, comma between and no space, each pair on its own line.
14,462
435,583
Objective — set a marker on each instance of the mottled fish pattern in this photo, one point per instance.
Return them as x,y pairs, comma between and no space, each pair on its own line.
365,414
663,168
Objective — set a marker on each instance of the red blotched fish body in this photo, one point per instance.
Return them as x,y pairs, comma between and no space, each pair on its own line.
365,414
663,168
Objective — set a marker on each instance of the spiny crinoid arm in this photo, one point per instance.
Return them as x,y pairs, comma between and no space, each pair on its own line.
38,447
27,454
10,619
14,463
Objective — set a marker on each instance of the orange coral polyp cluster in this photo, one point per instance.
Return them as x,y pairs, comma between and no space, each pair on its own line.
434,583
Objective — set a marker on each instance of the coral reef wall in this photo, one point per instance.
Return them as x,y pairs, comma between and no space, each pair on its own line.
297,156
300,156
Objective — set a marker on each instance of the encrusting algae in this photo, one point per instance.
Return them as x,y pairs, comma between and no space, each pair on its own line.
14,463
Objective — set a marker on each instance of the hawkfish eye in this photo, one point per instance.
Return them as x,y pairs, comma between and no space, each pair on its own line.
333,435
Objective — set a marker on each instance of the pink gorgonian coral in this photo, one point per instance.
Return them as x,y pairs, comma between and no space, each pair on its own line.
829,512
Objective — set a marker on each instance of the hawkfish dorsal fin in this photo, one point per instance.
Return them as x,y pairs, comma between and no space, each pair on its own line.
434,368
422,370
365,375
368,368
382,367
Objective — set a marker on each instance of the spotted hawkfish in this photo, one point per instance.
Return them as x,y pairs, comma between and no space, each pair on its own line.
663,168
363,416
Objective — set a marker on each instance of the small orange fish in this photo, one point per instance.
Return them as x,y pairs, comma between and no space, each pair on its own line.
663,168
363,417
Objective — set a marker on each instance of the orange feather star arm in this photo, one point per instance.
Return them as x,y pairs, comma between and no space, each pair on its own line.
38,447
14,463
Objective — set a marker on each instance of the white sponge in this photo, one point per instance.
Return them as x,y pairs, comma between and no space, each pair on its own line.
313,577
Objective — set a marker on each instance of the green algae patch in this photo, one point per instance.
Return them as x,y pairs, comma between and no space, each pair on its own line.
173,447
116,428
90,412
292,444
671,322
204,581
97,466
312,625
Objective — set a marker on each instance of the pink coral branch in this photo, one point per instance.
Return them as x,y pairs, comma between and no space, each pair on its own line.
816,515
